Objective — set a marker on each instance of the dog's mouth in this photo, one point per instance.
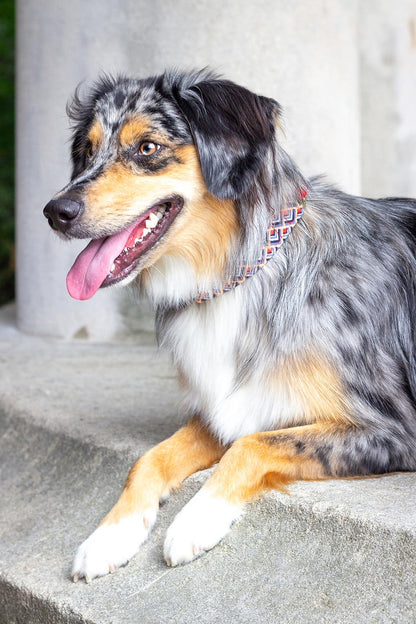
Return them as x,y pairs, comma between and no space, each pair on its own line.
108,260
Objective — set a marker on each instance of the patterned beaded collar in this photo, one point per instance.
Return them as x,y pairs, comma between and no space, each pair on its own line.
276,235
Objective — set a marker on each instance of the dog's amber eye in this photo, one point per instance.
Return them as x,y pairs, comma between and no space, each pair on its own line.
148,148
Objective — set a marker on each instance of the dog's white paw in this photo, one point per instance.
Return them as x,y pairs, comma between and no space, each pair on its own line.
112,545
198,527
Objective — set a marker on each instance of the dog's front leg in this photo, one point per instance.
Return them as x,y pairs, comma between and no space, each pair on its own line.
163,468
253,464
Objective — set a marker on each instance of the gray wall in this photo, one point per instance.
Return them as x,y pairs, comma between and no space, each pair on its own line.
344,72
387,39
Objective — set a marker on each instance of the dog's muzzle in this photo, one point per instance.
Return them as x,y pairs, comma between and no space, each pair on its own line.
63,213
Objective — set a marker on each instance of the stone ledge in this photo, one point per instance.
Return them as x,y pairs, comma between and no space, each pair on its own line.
71,424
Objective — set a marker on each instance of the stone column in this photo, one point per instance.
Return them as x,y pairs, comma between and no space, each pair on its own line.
302,53
388,97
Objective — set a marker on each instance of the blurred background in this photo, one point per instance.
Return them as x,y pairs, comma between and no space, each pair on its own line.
344,72
7,254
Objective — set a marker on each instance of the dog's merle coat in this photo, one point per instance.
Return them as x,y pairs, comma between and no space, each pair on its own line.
341,289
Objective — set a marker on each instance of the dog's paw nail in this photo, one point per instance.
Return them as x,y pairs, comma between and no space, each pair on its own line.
87,579
196,550
169,562
75,578
111,568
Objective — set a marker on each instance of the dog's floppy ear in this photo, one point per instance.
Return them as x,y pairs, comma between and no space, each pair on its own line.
232,129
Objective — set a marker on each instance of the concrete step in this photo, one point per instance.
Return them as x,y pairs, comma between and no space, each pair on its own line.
75,416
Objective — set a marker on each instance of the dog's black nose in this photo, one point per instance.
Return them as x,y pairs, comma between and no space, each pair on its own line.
62,213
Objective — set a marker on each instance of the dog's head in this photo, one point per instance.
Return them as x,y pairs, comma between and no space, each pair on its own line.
158,168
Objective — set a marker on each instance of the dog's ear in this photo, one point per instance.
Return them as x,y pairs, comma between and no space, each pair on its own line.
232,129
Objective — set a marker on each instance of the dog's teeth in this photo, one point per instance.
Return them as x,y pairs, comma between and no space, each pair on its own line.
145,232
137,240
113,266
148,223
152,220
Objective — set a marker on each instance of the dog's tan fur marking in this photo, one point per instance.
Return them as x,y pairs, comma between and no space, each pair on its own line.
269,460
321,391
201,234
206,236
122,193
109,196
164,467
207,226
95,135
134,129
314,385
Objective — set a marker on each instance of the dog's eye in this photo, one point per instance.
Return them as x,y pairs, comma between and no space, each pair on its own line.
148,148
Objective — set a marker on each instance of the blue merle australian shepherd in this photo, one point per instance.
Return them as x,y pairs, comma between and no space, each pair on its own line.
288,306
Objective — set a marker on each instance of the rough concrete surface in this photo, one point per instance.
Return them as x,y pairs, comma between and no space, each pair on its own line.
73,418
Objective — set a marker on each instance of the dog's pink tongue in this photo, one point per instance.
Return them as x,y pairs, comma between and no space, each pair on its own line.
94,263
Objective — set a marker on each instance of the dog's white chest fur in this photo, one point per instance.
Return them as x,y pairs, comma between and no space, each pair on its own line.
204,340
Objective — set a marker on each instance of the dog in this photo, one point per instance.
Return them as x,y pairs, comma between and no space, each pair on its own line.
287,305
